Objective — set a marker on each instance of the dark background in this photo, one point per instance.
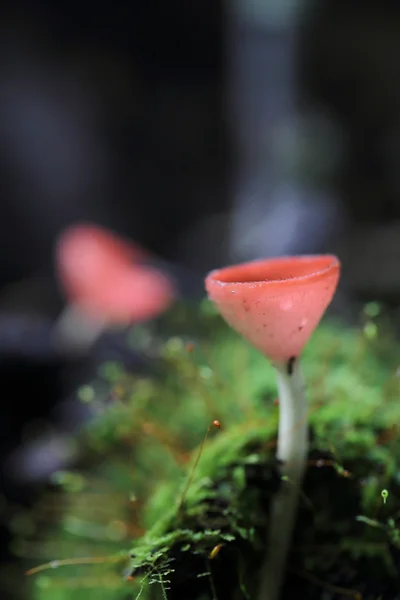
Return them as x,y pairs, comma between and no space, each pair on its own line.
206,133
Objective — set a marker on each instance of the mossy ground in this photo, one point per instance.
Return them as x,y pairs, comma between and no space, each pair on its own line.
125,499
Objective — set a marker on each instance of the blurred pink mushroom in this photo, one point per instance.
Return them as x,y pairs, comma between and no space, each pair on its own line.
276,304
106,284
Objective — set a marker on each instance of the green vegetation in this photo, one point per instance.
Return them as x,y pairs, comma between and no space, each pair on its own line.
161,529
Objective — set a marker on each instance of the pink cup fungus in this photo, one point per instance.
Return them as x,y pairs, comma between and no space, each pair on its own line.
106,283
276,304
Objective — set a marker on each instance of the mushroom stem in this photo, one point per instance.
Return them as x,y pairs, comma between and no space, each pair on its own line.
293,418
75,331
292,452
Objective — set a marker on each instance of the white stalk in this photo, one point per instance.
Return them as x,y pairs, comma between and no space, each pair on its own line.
293,452
75,331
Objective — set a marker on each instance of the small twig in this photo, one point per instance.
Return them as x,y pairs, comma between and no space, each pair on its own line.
212,584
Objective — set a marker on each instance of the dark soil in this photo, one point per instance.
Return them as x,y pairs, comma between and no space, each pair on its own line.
331,556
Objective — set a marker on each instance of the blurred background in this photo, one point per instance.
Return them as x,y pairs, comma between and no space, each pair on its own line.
208,132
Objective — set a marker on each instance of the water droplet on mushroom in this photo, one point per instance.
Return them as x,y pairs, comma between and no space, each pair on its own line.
286,305
302,323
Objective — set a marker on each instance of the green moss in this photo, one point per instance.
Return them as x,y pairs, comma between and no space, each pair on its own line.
137,456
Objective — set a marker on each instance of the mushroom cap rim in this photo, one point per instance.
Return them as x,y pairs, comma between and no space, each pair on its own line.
332,262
